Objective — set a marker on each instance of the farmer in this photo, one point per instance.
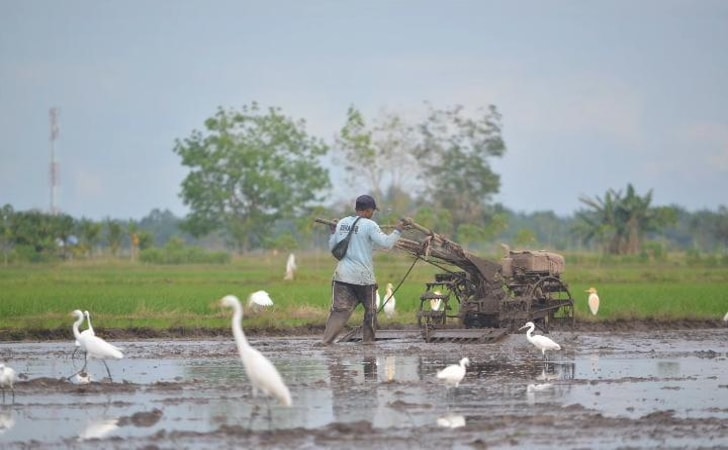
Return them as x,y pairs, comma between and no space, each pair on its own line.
354,281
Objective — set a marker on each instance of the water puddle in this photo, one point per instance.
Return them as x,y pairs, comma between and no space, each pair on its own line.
199,386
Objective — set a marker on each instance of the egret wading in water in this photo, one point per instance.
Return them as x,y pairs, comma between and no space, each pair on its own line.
453,374
93,346
260,371
7,380
389,301
540,342
593,301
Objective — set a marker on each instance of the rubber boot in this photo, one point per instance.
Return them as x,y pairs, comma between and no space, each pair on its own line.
369,327
336,323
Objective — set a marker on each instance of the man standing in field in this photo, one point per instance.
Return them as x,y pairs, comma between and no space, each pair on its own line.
354,280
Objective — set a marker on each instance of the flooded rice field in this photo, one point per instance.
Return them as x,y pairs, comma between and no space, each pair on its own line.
627,389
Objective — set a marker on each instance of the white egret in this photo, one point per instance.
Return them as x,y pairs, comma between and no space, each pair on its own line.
453,374
291,267
94,346
540,342
378,299
81,378
436,303
593,300
7,380
259,298
261,372
89,330
389,301
725,318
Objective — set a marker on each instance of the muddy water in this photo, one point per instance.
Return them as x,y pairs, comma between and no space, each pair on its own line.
605,390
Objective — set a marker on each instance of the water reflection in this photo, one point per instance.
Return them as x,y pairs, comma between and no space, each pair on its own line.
557,371
98,429
594,359
390,368
668,368
386,385
534,390
451,420
354,386
7,421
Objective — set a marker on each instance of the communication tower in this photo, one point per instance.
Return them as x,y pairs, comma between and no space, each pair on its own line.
55,166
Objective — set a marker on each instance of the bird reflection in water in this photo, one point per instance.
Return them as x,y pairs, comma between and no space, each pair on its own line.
451,420
7,421
98,429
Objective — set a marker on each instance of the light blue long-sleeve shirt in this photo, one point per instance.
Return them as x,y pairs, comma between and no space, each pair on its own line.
357,267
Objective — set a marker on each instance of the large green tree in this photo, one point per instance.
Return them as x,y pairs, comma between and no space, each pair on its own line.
620,221
248,169
454,155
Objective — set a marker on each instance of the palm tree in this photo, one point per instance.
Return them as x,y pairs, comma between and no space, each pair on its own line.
621,222
90,235
600,224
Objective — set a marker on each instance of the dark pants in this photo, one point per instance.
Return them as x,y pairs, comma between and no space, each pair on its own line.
345,298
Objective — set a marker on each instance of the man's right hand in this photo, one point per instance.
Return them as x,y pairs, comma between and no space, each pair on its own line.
404,224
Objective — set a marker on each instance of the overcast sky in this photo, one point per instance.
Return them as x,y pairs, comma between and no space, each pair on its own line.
595,94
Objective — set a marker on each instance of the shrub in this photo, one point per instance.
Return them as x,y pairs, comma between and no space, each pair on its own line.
175,252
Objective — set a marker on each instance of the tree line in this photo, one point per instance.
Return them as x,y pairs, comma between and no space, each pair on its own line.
34,236
257,179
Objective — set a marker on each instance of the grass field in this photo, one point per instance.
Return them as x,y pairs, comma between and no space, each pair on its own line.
128,295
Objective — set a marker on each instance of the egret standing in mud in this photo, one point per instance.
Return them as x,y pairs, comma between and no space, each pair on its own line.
435,303
290,268
94,346
540,342
593,301
7,380
260,371
389,301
